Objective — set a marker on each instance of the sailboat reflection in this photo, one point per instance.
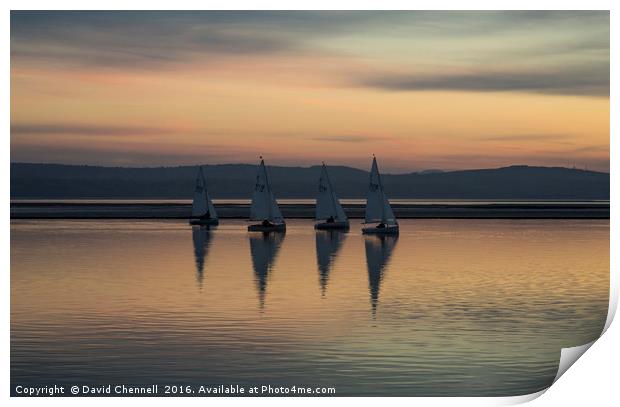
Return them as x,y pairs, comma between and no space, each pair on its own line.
202,240
264,249
328,242
378,251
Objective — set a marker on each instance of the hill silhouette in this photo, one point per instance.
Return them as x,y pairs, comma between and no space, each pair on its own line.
57,181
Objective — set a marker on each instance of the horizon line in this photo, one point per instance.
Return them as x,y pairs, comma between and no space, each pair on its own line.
585,168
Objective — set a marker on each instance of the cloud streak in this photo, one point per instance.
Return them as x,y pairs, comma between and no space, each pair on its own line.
588,81
137,40
84,130
148,39
342,139
524,137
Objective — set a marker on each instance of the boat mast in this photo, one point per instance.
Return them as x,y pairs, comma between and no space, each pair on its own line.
204,186
383,220
262,164
331,190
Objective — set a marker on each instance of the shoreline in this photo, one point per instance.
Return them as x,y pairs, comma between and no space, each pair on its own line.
563,210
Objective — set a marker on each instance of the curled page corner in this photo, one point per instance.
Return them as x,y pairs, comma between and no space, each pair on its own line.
568,356
525,398
613,300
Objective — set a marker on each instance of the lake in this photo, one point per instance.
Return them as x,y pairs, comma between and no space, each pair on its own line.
450,307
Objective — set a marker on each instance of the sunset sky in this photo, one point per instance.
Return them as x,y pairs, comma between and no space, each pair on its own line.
421,90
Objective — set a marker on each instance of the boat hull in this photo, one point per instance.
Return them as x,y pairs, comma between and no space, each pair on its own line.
266,229
204,222
388,230
331,225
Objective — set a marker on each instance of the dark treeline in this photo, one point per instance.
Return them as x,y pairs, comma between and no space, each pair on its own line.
53,181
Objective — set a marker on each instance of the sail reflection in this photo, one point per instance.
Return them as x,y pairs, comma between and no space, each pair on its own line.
378,252
264,249
202,240
328,243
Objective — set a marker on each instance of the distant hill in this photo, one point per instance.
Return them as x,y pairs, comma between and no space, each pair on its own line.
54,181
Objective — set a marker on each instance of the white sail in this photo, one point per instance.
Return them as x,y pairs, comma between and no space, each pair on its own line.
388,214
378,207
210,207
260,196
275,215
264,205
202,205
374,197
199,203
340,215
327,204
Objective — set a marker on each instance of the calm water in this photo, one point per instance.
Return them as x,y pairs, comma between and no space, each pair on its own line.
394,201
450,307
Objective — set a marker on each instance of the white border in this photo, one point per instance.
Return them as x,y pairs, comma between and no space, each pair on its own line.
592,381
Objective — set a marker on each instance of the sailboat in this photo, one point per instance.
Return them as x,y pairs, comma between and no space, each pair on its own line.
328,208
264,206
378,207
203,211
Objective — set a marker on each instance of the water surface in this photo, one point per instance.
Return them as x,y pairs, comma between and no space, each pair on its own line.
449,307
